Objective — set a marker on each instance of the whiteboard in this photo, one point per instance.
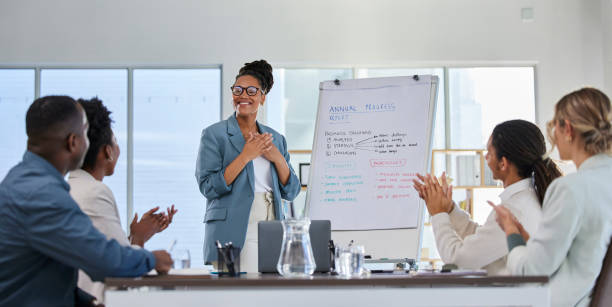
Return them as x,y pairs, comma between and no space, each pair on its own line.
371,137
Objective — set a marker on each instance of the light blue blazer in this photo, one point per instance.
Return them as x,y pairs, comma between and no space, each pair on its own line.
228,206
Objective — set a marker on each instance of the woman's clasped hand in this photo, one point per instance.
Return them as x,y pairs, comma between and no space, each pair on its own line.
437,194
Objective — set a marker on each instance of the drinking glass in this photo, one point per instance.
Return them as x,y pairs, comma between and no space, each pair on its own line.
181,258
357,260
350,261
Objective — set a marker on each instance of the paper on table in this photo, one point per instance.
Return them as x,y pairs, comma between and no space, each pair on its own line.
459,272
187,272
190,271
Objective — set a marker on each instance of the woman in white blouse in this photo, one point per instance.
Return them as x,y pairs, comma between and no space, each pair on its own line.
573,236
514,155
97,200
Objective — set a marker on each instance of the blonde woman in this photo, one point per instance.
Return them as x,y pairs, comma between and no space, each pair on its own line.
572,238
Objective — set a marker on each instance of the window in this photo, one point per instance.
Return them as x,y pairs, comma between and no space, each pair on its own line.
171,107
293,102
16,95
480,98
109,85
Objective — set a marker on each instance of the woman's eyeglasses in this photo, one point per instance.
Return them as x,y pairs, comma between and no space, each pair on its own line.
251,90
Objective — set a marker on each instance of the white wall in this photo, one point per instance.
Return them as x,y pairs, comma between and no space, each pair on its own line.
566,41
606,13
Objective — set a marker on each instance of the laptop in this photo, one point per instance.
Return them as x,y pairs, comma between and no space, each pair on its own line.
270,239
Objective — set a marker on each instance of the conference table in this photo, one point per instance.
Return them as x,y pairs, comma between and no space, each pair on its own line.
441,289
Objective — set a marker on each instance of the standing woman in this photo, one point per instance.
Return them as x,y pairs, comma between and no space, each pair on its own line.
572,238
243,169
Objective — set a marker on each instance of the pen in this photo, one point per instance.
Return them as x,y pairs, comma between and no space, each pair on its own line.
332,256
230,259
172,246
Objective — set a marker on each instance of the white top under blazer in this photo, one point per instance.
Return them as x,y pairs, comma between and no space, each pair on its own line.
263,174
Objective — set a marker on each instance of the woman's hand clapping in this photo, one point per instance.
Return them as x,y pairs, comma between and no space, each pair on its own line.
150,224
508,222
438,196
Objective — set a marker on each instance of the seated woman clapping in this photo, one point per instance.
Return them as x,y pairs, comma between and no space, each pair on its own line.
97,200
515,153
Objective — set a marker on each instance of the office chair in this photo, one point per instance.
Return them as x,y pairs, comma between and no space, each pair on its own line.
602,293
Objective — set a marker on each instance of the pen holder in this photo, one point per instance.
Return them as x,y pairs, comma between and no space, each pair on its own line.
222,267
332,257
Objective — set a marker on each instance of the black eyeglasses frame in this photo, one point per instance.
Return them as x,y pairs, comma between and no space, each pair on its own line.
242,89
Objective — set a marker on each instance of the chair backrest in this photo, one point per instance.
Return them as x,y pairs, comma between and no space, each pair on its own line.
602,293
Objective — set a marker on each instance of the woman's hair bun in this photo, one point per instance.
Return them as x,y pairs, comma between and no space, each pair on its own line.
262,71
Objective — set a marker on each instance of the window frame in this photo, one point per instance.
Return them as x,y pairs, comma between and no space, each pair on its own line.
445,66
130,108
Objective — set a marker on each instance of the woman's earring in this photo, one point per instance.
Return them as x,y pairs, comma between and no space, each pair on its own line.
110,159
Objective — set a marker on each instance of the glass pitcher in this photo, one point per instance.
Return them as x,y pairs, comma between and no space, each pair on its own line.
296,258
